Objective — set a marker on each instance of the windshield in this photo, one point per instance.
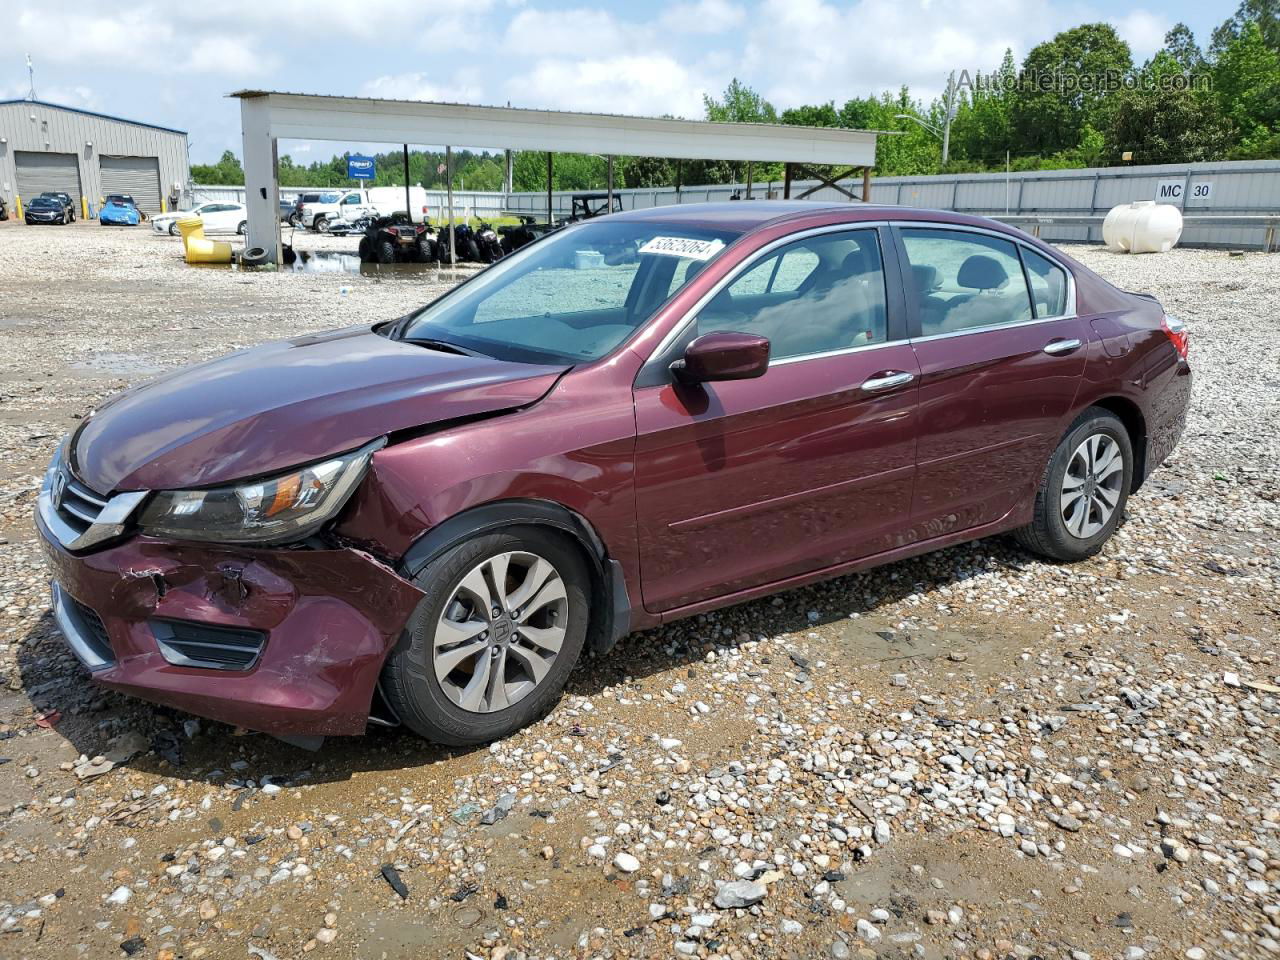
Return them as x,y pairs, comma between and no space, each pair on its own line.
573,296
42,202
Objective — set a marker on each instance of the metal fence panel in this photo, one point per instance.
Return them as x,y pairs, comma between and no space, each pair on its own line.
1246,187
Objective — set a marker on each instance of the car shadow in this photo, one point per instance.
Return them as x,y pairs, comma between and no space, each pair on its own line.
91,718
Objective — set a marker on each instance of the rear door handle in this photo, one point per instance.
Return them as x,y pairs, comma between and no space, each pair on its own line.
888,381
1056,347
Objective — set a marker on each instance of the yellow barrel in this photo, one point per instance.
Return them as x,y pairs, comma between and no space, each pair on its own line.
201,250
190,227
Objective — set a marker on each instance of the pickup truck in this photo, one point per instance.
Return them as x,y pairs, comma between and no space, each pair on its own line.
351,205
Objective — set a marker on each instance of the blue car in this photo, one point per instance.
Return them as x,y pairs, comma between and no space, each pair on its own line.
119,210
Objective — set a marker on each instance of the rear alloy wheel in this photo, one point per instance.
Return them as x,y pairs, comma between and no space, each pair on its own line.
1084,490
494,639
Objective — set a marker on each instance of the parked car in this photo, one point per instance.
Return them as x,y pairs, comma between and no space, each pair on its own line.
119,210
426,520
350,206
287,209
45,210
353,205
68,204
218,216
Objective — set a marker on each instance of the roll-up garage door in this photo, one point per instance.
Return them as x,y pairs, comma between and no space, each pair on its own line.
47,173
138,177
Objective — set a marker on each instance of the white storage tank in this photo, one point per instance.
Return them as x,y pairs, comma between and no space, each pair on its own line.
1143,226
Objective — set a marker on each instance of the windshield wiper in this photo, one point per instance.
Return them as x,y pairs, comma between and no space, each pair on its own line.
444,346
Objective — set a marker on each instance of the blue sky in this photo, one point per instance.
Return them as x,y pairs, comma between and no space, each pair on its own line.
173,63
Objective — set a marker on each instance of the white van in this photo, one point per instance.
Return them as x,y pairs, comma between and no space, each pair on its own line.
350,205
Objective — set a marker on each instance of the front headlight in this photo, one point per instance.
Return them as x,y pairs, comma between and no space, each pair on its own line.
282,508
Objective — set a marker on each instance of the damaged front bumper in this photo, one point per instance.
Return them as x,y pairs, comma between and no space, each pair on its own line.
285,641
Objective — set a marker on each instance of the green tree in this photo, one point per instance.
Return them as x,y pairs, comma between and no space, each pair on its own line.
740,104
226,171
1063,86
1180,44
1175,125
1265,14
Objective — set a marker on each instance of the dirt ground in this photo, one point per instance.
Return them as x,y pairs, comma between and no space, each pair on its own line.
970,754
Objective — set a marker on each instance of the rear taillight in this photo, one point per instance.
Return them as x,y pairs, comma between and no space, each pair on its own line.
1176,331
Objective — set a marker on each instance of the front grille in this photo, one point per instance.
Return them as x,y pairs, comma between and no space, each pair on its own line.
187,644
94,631
78,506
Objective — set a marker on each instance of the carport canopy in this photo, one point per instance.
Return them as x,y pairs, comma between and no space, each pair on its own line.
267,116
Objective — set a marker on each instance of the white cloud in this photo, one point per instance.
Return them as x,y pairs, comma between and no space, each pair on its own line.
223,55
466,87
643,84
806,51
702,17
542,33
1144,32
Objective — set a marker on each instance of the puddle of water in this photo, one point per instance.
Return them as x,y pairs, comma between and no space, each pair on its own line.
335,261
124,363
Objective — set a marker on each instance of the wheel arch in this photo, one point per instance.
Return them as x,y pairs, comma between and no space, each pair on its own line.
1135,424
610,618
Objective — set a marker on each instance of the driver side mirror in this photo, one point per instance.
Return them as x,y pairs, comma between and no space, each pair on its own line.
722,356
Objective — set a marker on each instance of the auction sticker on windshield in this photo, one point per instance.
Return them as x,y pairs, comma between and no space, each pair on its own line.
686,247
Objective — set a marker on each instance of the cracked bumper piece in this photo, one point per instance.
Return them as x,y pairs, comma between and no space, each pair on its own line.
288,642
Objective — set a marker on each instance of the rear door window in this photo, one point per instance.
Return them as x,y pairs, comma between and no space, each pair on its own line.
1048,284
964,281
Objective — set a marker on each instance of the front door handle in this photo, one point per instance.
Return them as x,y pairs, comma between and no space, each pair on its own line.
888,381
1056,347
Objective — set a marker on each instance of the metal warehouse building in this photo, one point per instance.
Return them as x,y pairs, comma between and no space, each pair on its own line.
44,146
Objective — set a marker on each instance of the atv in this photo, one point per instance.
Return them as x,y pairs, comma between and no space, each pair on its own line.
465,244
512,238
396,239
588,205
488,242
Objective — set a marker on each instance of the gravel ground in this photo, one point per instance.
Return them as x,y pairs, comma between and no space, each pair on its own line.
971,754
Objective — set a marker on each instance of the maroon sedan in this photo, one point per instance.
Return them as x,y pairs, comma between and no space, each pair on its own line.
637,418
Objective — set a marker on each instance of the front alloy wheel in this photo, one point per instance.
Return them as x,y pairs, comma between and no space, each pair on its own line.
500,632
501,623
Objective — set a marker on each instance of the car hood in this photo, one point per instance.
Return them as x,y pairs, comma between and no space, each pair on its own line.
272,407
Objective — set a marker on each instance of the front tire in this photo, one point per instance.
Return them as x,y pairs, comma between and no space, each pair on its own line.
493,641
242,227
1083,492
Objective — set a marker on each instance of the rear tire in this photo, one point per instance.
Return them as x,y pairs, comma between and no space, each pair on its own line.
386,251
321,225
365,250
1083,492
425,680
243,226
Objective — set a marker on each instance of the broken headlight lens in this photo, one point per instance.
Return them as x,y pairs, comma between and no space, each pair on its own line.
283,508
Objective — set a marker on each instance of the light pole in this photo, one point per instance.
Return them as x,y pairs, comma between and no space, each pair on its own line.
949,105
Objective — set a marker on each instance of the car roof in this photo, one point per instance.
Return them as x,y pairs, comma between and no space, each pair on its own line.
746,216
